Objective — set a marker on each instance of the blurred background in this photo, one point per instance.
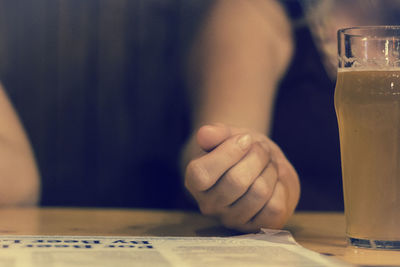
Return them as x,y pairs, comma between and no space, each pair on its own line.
100,86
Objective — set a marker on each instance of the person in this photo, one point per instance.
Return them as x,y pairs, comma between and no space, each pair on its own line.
231,166
237,173
19,174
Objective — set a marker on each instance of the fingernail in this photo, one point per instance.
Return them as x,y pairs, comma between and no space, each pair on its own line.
244,142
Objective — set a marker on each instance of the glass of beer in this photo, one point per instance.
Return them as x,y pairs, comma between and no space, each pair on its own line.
325,17
367,103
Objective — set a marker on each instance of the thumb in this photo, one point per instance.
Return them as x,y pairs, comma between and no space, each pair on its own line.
210,136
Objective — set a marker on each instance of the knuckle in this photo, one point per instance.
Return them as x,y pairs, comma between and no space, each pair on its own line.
277,209
266,147
287,170
270,174
261,151
261,191
260,156
237,179
283,168
234,153
197,177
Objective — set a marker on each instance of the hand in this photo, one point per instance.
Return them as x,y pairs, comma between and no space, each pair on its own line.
243,178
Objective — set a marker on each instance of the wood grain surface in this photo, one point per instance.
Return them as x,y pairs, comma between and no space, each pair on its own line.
323,232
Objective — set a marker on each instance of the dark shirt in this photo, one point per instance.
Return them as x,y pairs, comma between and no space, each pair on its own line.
305,124
305,127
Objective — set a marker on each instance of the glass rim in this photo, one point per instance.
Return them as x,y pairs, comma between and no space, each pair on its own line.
349,31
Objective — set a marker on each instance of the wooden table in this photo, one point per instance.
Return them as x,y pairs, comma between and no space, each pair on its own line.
320,232
324,232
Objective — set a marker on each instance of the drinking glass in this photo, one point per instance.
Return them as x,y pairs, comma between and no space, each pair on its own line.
367,103
326,17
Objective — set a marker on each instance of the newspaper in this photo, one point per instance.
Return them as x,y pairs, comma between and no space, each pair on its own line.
268,248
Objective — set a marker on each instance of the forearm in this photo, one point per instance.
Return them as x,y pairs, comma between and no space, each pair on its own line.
236,64
239,60
240,57
19,177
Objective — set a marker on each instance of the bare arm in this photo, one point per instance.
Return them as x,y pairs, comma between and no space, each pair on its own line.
19,177
240,57
238,61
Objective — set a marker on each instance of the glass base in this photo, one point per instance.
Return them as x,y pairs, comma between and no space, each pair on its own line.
374,244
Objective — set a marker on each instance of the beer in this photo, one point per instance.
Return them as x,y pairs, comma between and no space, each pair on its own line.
367,105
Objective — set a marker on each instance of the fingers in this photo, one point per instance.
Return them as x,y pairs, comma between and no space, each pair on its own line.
272,214
210,136
203,173
260,192
245,179
238,179
287,175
